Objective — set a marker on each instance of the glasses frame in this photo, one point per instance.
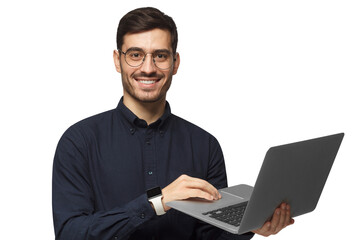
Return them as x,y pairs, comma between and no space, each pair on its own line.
143,60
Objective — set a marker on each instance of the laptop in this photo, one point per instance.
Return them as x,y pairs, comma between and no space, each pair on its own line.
293,173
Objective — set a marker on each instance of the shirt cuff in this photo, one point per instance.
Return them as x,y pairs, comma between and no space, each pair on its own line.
140,211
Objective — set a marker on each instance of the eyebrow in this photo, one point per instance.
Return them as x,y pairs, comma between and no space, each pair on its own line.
140,49
134,49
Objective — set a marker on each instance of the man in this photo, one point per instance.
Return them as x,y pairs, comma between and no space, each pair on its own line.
105,165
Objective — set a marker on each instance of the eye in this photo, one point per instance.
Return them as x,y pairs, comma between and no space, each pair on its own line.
135,55
161,56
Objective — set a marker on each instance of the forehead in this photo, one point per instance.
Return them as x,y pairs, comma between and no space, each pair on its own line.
148,40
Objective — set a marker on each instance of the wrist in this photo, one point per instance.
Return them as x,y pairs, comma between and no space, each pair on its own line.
166,208
155,199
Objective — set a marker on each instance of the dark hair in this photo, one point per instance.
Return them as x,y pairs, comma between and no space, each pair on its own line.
145,19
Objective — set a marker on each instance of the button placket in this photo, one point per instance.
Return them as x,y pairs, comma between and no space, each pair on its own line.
149,157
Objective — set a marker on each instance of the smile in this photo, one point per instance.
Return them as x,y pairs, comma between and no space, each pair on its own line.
147,81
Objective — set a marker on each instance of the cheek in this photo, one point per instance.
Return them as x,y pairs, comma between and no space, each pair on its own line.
167,84
127,74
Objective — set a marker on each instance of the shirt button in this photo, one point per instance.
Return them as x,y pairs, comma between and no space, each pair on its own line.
150,172
142,216
116,237
132,131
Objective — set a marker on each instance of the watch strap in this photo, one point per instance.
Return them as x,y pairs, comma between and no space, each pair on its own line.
158,206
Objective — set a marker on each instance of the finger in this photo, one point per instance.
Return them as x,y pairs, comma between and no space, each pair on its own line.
185,187
199,193
203,185
288,215
283,220
264,230
275,220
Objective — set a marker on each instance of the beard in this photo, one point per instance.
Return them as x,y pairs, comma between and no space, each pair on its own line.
146,95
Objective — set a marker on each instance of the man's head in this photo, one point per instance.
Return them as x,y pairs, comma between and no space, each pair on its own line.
146,55
144,19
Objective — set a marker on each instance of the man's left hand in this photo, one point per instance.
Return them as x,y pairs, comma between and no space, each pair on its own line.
280,220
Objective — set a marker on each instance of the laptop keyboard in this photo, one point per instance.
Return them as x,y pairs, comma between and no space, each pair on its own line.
232,214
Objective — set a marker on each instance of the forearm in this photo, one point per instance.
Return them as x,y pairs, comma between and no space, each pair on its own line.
80,212
119,222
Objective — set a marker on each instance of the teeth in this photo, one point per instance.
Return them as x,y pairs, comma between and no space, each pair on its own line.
147,82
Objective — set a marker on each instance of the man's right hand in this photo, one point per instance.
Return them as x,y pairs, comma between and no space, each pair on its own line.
185,187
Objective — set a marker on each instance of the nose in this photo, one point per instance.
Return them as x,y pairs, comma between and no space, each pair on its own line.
148,65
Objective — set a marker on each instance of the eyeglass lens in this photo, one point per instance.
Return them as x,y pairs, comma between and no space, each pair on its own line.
162,58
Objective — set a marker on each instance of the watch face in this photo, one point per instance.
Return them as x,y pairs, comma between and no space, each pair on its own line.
153,192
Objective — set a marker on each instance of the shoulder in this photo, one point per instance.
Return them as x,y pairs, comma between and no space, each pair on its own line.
191,129
85,128
96,119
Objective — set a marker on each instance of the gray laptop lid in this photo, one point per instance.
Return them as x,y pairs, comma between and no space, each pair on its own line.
294,173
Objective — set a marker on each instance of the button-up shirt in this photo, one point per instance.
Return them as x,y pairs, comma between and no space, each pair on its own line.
104,164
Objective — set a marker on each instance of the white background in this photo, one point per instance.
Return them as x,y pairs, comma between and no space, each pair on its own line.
254,74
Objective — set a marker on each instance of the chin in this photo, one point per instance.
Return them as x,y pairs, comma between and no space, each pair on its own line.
150,99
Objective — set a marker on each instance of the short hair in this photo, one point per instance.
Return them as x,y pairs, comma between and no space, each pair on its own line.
145,19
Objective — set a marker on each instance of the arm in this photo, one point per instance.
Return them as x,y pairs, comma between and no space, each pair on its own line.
185,187
75,216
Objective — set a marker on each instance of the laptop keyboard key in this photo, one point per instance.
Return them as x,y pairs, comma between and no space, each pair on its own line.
232,214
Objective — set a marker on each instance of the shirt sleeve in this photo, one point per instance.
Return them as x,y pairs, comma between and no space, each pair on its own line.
73,201
217,177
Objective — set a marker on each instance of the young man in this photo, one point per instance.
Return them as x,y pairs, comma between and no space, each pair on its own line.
114,172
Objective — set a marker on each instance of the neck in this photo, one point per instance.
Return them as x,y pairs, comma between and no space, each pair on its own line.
148,111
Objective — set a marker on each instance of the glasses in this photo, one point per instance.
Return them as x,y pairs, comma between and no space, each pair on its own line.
135,57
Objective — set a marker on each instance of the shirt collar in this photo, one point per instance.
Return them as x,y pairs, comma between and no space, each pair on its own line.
134,121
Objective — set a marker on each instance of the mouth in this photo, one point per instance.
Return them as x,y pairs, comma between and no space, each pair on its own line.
147,81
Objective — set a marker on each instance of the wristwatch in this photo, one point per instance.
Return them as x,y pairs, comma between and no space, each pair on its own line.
154,196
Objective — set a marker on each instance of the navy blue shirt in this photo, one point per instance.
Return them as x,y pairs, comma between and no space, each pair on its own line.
104,164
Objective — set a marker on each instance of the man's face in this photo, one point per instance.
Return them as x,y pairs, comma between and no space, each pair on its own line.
146,83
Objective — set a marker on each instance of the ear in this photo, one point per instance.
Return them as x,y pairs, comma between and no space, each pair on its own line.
176,63
116,57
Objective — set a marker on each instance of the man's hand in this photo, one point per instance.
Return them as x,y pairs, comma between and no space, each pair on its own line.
280,220
186,187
